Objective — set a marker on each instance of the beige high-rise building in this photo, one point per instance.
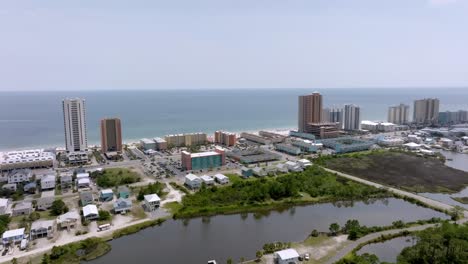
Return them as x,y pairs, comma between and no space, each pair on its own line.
74,119
111,135
398,114
310,110
426,111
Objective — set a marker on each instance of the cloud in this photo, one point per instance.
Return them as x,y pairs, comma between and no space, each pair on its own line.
441,2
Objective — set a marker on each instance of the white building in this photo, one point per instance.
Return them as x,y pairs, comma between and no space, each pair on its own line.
151,202
4,203
82,175
83,183
90,212
36,158
258,171
208,180
414,138
42,228
446,143
282,168
74,117
19,176
193,181
388,141
48,182
304,163
293,166
68,220
46,200
412,146
287,256
398,114
221,178
351,117
13,236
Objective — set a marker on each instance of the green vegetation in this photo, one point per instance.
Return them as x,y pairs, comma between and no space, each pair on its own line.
97,155
269,248
115,176
58,208
362,259
179,187
104,216
443,245
463,200
135,228
173,207
400,169
311,186
156,188
86,250
4,221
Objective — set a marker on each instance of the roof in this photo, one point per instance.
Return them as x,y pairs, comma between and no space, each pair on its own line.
3,202
107,191
147,141
412,145
83,180
69,215
90,209
304,161
191,177
48,194
23,205
48,178
287,254
204,154
82,175
13,233
290,163
42,224
25,156
207,178
120,201
221,176
152,198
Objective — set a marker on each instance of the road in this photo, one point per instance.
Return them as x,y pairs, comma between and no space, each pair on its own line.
343,252
420,198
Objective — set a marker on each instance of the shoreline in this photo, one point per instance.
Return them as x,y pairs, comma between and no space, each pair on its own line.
133,141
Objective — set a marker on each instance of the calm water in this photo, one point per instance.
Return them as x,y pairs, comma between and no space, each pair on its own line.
389,250
227,236
458,161
34,119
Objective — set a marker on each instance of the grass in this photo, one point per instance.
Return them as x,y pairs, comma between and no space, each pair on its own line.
135,228
463,200
113,177
86,250
173,207
138,212
399,169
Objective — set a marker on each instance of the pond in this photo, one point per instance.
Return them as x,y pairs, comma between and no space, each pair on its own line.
234,236
389,250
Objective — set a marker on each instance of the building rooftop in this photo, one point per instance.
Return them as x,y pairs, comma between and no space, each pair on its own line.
191,177
82,175
206,178
152,198
221,176
66,216
204,154
23,205
90,209
13,233
287,254
42,224
3,202
146,141
107,191
25,156
48,194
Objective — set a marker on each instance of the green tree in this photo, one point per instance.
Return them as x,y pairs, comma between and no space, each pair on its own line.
259,254
45,259
229,261
334,228
14,261
104,215
58,207
314,233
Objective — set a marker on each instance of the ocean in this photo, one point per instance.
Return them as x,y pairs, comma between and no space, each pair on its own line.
34,119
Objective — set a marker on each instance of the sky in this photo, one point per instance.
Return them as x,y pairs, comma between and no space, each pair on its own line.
220,44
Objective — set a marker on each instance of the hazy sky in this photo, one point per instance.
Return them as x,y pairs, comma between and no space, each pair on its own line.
113,44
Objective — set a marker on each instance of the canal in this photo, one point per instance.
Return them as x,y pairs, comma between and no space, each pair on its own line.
235,236
389,250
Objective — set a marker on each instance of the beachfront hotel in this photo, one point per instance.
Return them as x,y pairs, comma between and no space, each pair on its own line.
398,114
74,118
352,117
426,111
111,135
310,110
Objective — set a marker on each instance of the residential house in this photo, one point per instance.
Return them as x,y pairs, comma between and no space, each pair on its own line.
221,178
48,182
86,198
83,182
193,181
293,166
106,195
151,202
246,172
122,205
258,171
68,220
66,182
123,192
286,256
4,204
42,228
30,188
282,168
22,208
208,180
13,236
90,212
19,176
81,175
46,200
304,163
10,186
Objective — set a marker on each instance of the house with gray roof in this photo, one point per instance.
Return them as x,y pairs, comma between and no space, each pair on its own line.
22,208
